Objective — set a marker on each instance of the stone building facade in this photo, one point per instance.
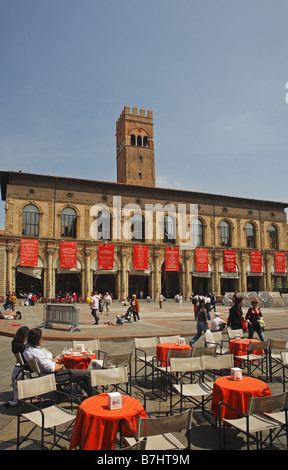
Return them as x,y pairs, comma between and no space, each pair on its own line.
52,209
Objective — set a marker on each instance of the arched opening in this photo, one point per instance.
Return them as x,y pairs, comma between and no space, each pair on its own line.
30,220
169,229
68,223
133,139
273,236
250,235
139,141
225,234
104,225
197,232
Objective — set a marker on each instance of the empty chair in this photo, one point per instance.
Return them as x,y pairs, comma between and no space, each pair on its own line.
216,339
139,445
159,432
168,339
145,350
275,347
46,418
260,417
233,333
254,361
196,392
198,352
284,363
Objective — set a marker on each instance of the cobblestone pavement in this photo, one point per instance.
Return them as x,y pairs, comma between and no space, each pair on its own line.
170,320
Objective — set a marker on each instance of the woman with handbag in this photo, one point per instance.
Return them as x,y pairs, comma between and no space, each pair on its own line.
235,319
255,320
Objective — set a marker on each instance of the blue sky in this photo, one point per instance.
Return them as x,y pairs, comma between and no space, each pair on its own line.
213,72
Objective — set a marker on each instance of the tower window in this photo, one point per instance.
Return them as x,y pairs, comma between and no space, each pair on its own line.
139,141
140,176
140,158
133,139
145,141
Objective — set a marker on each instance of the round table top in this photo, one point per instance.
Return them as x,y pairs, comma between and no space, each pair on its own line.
173,346
97,406
247,384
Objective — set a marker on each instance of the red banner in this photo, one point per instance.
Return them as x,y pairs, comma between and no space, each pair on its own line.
202,259
280,264
68,254
230,261
172,259
256,261
105,256
29,252
140,257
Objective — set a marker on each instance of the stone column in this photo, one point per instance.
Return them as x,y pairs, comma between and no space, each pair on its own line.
124,275
157,277
88,287
188,279
9,250
50,286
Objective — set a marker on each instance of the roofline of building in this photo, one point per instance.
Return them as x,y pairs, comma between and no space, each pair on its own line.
122,189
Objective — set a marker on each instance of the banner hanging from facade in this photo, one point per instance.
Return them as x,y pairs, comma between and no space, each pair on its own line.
280,265
256,261
140,257
202,259
68,254
172,259
29,252
230,261
105,256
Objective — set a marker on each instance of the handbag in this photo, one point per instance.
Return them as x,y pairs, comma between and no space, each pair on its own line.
243,322
261,322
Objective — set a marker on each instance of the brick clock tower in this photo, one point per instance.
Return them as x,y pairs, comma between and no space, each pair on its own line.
135,148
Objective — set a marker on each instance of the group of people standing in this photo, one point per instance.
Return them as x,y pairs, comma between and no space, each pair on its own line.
99,302
253,321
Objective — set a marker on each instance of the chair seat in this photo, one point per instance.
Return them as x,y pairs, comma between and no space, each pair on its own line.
160,442
53,416
145,359
195,390
257,423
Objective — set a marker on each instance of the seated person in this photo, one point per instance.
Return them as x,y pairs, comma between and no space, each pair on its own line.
120,320
11,316
34,350
217,324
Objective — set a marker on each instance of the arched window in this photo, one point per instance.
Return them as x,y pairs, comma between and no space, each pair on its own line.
225,233
133,139
273,234
197,232
68,223
139,141
137,227
169,229
250,235
30,220
104,225
145,141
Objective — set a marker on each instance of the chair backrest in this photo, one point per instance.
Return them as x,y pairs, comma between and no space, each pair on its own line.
198,352
36,387
168,424
214,337
168,339
117,360
233,333
225,361
115,376
178,353
284,357
144,343
188,364
93,344
19,359
257,346
267,404
278,344
33,364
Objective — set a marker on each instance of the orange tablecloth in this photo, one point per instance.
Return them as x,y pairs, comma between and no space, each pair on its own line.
236,393
96,426
162,349
77,362
240,348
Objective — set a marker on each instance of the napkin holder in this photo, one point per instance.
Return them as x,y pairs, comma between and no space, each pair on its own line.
181,342
236,373
238,337
80,348
114,401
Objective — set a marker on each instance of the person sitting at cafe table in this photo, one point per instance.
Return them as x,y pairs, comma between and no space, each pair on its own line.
34,350
217,324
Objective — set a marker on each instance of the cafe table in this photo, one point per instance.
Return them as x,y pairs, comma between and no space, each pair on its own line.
240,348
236,393
77,360
163,348
96,426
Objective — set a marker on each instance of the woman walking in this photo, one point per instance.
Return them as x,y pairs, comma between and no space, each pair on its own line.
202,321
135,304
235,319
253,316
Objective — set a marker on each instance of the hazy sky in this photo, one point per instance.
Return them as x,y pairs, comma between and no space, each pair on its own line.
214,73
